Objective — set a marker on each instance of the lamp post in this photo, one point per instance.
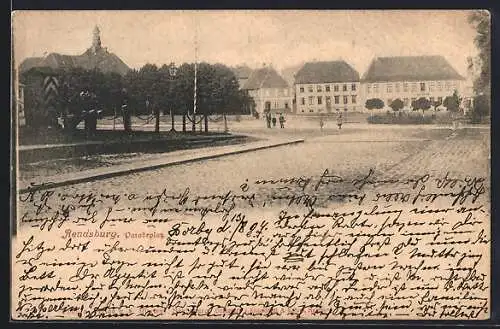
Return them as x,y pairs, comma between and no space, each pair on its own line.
172,72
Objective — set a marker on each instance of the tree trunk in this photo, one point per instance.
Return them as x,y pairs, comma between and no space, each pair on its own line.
157,121
173,121
206,123
183,123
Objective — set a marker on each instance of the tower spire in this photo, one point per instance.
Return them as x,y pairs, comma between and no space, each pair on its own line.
96,40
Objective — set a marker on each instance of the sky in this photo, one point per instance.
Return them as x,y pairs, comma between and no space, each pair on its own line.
278,38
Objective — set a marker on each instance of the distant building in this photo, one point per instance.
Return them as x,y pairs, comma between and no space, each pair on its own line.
95,57
325,87
409,78
242,73
269,91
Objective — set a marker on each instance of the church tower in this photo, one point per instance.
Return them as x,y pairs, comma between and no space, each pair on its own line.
96,40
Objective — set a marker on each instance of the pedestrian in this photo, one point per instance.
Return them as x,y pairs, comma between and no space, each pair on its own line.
282,120
339,121
321,123
127,124
268,119
274,121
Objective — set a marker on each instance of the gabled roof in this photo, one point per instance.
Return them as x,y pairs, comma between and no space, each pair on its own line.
30,63
101,60
265,77
325,72
410,68
242,71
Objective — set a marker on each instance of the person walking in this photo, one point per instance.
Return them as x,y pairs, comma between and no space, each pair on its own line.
274,121
321,123
268,119
282,120
339,121
127,124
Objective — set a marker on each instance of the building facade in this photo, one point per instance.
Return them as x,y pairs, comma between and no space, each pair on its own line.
411,77
270,92
327,87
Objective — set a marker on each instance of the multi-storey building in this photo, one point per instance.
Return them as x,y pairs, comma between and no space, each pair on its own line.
269,90
325,87
409,78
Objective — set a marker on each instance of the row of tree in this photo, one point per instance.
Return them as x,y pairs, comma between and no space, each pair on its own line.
481,65
150,89
451,103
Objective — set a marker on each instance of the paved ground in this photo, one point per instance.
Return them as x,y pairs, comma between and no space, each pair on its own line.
348,153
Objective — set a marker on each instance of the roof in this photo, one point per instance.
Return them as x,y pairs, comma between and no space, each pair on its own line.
242,71
265,77
30,63
321,72
101,60
410,68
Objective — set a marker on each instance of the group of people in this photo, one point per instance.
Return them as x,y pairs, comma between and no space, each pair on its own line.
339,122
271,119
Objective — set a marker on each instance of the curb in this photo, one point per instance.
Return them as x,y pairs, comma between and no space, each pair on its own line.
118,172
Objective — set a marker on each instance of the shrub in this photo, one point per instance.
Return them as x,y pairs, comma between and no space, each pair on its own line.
400,119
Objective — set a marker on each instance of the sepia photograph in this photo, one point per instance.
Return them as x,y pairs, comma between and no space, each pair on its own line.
251,165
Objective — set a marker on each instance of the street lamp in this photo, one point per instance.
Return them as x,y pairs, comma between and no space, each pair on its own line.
172,72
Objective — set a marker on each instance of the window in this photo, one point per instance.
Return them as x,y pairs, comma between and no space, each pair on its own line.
431,86
318,88
327,87
389,87
328,101
368,88
336,99
320,100
286,105
345,99
344,88
405,86
303,101
310,89
375,88
336,88
422,86
439,86
406,101
345,109
311,110
397,86
448,85
301,89
353,87
413,86
311,100
353,99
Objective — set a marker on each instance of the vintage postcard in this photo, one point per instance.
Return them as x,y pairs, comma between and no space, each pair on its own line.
249,165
